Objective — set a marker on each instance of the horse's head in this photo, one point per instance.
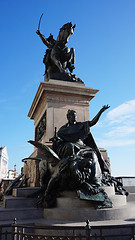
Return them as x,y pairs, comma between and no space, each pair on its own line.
65,32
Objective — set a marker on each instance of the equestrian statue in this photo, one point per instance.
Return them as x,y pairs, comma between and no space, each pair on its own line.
59,60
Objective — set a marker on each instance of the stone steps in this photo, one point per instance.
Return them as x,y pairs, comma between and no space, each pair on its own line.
20,214
20,207
19,198
69,207
24,192
19,202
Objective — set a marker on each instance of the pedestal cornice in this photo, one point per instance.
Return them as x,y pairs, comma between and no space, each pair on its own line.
61,88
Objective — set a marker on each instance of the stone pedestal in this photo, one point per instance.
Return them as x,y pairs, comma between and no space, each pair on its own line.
51,103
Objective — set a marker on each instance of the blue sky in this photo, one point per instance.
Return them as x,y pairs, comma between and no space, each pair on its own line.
104,42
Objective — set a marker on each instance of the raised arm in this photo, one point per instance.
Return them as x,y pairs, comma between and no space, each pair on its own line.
44,40
42,37
96,118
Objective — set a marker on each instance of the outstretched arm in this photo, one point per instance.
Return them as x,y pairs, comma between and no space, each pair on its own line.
42,37
96,118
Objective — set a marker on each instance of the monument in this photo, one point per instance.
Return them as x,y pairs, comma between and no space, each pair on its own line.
66,161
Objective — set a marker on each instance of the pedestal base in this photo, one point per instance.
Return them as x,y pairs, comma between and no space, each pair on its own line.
71,208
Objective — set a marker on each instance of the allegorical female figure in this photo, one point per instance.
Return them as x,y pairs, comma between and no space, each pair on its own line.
75,136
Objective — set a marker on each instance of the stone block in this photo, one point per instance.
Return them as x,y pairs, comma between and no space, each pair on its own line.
24,192
19,202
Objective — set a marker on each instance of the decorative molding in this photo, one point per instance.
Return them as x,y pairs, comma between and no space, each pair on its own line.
67,99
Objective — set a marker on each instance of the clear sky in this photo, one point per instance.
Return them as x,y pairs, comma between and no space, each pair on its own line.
104,42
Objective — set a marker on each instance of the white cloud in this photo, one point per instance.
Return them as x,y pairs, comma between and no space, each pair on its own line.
121,131
115,142
119,126
122,113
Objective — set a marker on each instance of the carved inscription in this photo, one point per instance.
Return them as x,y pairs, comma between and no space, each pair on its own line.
40,129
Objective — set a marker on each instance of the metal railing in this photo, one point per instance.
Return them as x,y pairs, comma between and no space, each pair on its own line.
25,232
117,232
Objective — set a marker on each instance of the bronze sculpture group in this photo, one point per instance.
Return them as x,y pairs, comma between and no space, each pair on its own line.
74,162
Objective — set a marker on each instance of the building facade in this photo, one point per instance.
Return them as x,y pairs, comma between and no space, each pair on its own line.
3,162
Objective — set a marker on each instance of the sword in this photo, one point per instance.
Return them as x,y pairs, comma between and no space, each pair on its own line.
40,21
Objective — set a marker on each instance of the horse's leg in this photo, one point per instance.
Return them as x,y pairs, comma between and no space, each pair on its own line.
71,60
56,61
48,73
72,51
